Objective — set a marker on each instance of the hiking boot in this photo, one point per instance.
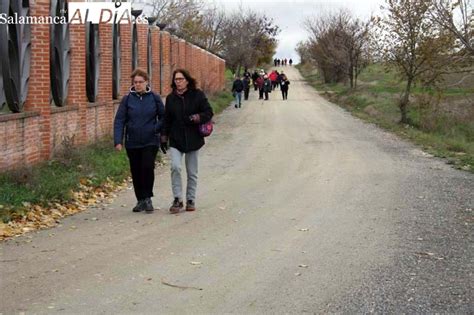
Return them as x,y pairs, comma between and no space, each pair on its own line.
149,206
176,206
190,206
140,206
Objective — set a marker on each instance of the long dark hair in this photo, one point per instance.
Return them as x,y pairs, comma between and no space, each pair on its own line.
189,78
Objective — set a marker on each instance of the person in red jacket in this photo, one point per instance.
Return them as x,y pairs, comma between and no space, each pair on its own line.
273,78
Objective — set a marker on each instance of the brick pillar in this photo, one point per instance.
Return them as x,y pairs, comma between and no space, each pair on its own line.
77,85
155,76
142,32
182,53
195,65
210,72
174,53
215,67
165,63
198,67
201,67
204,68
189,56
126,53
39,83
105,71
222,74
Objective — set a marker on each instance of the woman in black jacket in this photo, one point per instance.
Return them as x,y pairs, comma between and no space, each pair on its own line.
138,120
186,108
284,86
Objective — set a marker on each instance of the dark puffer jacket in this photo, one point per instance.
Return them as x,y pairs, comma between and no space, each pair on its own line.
183,133
139,117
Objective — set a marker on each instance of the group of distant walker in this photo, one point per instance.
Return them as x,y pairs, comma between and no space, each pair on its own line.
282,62
261,81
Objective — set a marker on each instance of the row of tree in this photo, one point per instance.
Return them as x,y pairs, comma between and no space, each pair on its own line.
422,39
245,39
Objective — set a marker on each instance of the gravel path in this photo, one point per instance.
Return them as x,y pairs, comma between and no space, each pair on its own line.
301,209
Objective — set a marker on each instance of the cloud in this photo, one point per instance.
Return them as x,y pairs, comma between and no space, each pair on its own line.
290,14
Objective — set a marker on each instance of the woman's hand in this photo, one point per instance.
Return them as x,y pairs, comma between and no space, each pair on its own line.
195,118
118,147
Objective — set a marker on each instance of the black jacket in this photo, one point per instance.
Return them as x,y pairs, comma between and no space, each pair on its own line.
184,134
139,119
237,86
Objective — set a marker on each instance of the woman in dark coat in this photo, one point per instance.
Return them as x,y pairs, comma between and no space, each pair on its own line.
138,120
186,108
284,86
267,86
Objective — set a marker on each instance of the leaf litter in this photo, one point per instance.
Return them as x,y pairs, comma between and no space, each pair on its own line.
37,217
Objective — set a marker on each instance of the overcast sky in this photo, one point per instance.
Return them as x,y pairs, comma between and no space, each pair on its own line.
289,15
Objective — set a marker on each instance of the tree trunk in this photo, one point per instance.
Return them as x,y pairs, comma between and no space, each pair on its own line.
404,102
356,74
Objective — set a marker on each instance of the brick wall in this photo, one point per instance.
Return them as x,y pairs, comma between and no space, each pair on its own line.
155,75
41,129
165,63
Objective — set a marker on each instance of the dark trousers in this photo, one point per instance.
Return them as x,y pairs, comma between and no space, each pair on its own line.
142,167
260,94
266,95
246,93
284,93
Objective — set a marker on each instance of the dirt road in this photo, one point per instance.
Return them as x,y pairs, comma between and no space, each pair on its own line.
302,208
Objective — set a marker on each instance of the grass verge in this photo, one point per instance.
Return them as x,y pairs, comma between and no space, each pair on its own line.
442,125
57,179
221,100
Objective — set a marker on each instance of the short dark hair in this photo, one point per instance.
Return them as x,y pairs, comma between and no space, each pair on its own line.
189,78
140,72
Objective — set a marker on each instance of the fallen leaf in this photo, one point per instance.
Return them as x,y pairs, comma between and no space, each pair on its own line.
303,230
425,254
303,266
196,263
179,286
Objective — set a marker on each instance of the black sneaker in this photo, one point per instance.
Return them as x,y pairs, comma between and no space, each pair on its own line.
190,206
140,206
176,206
149,206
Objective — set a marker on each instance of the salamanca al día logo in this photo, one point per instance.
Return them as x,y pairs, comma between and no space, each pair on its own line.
80,13
102,12
21,19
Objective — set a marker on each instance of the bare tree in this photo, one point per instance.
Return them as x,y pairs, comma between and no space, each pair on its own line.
462,27
214,20
337,43
303,50
411,41
176,15
248,39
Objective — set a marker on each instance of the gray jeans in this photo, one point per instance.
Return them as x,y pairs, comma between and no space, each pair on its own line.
191,162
